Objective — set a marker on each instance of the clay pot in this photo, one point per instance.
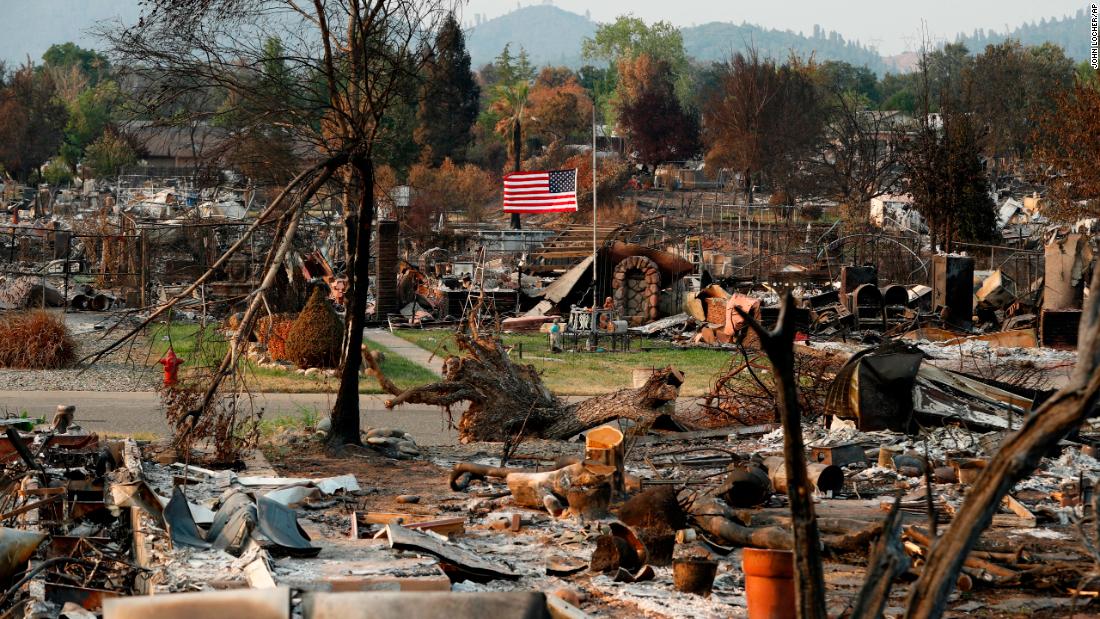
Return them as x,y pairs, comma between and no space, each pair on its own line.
769,583
694,575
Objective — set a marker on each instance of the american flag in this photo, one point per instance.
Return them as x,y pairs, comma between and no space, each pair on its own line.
540,192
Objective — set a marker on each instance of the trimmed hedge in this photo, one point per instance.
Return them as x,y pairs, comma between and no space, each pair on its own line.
314,339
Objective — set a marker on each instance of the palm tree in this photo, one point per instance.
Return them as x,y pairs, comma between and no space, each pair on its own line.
511,104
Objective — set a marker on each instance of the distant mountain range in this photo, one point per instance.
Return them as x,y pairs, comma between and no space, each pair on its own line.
553,36
1070,32
719,40
549,34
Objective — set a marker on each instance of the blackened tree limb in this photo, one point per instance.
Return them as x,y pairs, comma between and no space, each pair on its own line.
809,584
1017,458
263,218
274,263
888,562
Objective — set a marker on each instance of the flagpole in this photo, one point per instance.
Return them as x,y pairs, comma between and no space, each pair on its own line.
595,290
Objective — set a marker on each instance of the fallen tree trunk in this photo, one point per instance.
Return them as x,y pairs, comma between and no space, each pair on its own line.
506,399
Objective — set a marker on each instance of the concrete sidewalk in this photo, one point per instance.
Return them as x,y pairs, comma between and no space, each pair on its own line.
406,349
141,411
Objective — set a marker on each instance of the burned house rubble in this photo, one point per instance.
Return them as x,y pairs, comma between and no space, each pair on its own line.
391,310
910,382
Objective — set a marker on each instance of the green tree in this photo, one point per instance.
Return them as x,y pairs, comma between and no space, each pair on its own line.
508,69
31,121
109,154
524,69
600,84
628,37
57,172
504,66
511,106
898,91
1084,73
841,77
276,76
89,115
90,63
449,98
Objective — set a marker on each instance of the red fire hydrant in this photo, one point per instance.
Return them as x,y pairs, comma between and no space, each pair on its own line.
171,365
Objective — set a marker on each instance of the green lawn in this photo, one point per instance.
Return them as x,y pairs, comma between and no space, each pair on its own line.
205,348
582,373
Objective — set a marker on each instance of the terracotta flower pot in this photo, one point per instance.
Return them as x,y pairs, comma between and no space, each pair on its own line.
769,583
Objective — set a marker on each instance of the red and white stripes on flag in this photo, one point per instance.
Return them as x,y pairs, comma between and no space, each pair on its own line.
553,191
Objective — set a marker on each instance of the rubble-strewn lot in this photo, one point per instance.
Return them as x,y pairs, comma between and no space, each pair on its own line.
138,519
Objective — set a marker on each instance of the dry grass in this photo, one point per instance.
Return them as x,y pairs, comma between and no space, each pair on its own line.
35,340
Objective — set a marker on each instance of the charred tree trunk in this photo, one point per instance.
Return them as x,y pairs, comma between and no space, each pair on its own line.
1017,458
357,223
809,583
506,399
888,562
641,404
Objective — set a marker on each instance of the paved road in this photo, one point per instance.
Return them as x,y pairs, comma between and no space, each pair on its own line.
141,412
133,412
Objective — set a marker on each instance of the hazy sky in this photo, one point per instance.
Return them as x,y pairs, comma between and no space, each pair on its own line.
892,27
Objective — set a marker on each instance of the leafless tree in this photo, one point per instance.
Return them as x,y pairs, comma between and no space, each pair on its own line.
762,119
329,84
857,158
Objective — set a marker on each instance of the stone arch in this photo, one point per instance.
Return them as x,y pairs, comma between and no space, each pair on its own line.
635,288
